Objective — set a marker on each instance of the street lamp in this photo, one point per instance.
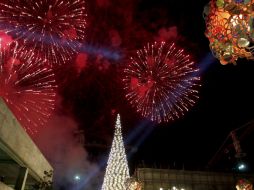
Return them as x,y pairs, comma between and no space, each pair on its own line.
77,178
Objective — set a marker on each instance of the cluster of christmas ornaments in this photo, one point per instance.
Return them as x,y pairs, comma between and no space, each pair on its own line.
229,28
244,184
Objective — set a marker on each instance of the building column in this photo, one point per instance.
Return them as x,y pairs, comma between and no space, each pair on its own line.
21,181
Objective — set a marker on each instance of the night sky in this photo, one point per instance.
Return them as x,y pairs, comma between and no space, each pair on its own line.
92,90
78,137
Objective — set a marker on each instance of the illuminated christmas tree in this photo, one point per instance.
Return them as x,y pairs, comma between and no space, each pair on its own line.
117,171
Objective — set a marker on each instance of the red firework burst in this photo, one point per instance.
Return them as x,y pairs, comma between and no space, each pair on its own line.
161,82
53,28
27,86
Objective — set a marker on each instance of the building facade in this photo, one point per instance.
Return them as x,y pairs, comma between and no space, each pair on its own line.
167,179
22,165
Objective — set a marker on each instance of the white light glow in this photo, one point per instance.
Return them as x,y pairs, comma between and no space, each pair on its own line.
77,177
241,167
117,171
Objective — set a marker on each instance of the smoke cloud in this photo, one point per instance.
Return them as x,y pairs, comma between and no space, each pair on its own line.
62,146
167,34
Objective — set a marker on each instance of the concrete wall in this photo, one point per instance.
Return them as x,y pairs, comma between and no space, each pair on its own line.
4,187
15,142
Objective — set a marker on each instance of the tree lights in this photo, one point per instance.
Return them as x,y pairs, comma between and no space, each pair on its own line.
230,29
117,171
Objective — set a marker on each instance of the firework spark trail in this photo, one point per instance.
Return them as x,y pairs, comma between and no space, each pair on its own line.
28,86
53,28
161,82
82,47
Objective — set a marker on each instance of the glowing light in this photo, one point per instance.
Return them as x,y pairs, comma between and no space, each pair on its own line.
27,85
52,28
117,171
230,29
161,82
77,178
241,167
